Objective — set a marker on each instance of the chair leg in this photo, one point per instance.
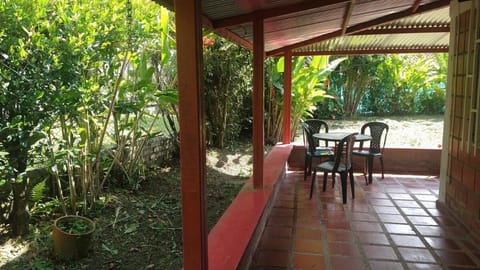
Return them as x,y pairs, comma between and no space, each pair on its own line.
333,179
370,169
313,183
325,174
365,167
310,165
343,177
381,165
352,183
305,168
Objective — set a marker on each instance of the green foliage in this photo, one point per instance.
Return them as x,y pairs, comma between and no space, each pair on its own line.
430,101
308,76
227,77
73,225
409,84
353,79
329,108
79,77
273,101
391,84
37,191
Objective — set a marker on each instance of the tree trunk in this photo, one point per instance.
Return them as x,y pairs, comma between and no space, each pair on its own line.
19,215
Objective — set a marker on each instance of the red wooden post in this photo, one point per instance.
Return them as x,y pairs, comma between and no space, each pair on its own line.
258,110
287,96
192,133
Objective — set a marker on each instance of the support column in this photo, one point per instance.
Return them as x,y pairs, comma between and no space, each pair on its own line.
287,96
258,107
192,133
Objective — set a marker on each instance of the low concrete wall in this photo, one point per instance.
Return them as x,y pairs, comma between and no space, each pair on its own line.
423,161
420,161
159,151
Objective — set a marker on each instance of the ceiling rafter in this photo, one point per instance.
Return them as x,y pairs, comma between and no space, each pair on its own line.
415,6
347,16
273,12
169,4
362,26
224,32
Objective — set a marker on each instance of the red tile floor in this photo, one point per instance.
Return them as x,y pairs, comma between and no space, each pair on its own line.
393,223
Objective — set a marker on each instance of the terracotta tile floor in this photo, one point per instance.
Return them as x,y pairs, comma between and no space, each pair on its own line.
391,224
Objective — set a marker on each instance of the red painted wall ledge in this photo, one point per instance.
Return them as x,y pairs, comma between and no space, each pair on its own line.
229,239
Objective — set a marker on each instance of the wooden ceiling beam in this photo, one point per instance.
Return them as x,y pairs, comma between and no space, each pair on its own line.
227,34
362,26
273,12
327,36
347,16
415,6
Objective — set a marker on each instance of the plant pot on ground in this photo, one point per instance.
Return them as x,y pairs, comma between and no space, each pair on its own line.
72,236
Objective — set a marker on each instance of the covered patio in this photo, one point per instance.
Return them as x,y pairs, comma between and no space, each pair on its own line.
396,223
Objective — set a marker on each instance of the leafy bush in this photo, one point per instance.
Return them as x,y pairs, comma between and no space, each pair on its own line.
402,84
227,72
430,101
78,78
330,108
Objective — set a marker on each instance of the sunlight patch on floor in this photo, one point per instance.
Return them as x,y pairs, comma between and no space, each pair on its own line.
11,250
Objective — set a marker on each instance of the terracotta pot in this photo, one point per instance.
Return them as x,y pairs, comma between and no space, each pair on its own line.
71,243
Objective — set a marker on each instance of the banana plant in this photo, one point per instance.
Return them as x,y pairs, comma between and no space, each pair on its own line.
308,76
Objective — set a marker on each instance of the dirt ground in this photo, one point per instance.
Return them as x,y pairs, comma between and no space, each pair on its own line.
135,230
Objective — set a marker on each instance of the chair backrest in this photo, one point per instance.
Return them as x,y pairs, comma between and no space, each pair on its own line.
317,126
379,132
308,139
343,152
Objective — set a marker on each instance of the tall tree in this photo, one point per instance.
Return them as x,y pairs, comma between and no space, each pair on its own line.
353,78
408,74
227,74
36,65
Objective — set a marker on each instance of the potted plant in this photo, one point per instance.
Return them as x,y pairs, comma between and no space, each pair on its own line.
72,236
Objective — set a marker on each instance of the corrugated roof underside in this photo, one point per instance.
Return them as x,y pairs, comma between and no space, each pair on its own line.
326,22
220,9
372,43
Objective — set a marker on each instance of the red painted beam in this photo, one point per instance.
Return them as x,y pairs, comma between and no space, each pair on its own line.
258,109
192,133
287,97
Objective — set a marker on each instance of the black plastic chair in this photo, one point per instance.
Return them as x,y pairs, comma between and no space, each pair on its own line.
379,132
341,164
318,126
311,151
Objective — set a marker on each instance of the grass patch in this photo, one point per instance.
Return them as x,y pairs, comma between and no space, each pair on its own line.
425,131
